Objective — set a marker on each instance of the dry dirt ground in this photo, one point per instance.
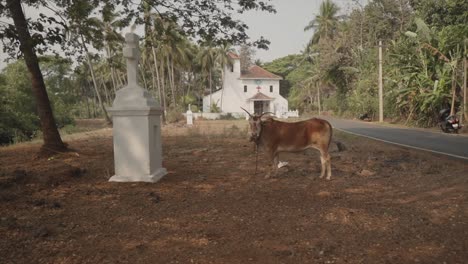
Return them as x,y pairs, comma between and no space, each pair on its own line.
385,204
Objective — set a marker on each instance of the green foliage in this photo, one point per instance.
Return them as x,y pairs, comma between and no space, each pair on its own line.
422,41
293,70
214,108
18,119
175,115
228,116
364,98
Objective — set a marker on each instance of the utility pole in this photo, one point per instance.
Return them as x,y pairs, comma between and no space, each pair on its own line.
464,113
380,84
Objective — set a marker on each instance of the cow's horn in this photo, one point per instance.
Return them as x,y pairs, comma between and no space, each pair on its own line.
267,113
247,112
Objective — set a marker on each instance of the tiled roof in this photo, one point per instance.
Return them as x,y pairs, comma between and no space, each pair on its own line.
260,97
233,55
257,72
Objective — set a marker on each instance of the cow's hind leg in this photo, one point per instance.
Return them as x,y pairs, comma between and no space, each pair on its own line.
328,160
274,167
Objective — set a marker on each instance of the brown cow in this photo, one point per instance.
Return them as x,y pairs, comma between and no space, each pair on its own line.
277,136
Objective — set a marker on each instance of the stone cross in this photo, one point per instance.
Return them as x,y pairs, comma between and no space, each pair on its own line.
189,116
136,126
132,53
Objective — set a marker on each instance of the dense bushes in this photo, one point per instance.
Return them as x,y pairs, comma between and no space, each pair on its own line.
18,118
424,43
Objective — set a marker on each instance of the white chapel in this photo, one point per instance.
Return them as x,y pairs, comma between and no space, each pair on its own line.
256,90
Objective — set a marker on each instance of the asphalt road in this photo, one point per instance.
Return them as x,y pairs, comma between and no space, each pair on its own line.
446,144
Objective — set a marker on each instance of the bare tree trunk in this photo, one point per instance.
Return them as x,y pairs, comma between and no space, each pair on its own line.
163,87
51,136
83,95
106,93
465,112
109,55
114,80
90,65
153,81
87,107
222,88
142,72
170,79
157,75
121,79
211,89
174,89
189,85
94,105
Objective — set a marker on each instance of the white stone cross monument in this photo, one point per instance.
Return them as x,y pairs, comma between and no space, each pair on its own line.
137,126
189,116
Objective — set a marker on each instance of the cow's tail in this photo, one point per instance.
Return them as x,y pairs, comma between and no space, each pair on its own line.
331,133
339,145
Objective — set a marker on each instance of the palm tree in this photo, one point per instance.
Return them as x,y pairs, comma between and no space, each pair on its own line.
93,77
172,50
112,39
325,23
207,60
223,59
84,30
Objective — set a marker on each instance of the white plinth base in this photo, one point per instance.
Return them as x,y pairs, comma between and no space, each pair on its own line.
156,176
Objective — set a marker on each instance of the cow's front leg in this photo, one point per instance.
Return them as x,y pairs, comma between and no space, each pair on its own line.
274,168
326,164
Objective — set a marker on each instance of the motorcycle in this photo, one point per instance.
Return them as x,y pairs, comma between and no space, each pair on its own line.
449,123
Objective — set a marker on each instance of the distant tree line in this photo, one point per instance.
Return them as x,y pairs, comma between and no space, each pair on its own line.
184,48
424,51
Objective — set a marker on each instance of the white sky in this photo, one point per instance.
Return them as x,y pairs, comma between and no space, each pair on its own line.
285,29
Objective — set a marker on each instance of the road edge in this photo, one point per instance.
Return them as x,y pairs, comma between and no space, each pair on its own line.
402,145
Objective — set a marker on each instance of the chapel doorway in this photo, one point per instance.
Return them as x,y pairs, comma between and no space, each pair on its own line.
261,107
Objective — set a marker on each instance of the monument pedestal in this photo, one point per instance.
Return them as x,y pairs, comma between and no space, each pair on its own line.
136,127
137,146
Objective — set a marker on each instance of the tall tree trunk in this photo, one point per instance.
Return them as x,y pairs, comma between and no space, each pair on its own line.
142,72
121,79
169,76
106,93
94,104
87,107
174,90
91,70
83,95
155,59
211,89
189,85
51,136
112,72
222,88
465,71
163,87
153,81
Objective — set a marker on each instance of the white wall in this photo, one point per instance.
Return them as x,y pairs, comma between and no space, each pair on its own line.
234,96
